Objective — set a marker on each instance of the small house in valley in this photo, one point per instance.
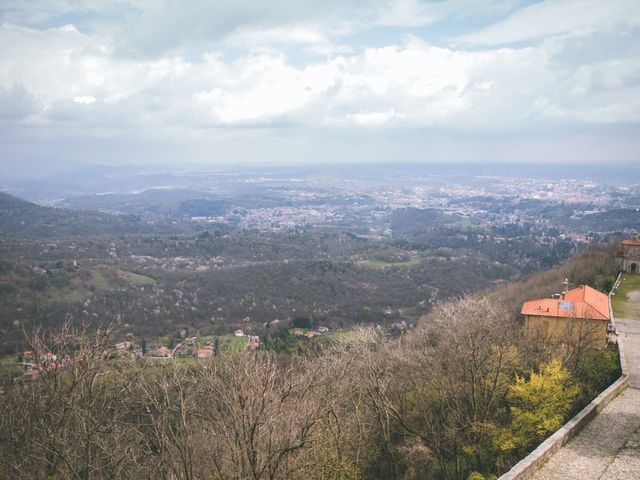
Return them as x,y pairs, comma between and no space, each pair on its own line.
577,315
254,342
204,352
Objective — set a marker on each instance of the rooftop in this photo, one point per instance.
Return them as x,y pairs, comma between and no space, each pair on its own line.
631,241
580,302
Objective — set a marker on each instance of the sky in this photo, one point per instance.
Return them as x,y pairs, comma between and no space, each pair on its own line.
271,82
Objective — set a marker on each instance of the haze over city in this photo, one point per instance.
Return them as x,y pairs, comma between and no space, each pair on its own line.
300,83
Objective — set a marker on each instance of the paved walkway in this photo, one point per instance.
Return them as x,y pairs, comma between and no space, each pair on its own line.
608,447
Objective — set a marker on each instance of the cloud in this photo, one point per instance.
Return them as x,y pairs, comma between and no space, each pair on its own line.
171,25
233,73
372,118
150,28
80,80
85,99
275,39
567,18
605,92
610,75
17,104
408,13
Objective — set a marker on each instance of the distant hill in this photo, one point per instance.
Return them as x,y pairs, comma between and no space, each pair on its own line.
20,218
153,204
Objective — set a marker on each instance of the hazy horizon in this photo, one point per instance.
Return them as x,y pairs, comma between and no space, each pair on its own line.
95,174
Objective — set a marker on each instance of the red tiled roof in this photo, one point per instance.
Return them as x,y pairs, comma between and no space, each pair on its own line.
580,302
632,241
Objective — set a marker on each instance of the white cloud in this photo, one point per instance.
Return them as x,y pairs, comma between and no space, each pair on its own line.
610,75
155,27
37,12
296,34
601,93
170,25
17,104
408,13
568,18
413,84
372,118
272,39
258,79
84,99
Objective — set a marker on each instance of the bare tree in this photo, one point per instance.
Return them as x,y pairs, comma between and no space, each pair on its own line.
348,440
65,421
263,415
448,383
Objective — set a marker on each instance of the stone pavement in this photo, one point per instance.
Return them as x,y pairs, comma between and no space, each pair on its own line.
608,447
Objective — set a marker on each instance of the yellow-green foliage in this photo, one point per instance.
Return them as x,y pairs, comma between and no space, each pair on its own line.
538,407
341,469
479,476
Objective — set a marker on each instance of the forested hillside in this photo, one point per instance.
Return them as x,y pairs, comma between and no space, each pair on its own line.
462,394
214,284
19,218
422,372
161,278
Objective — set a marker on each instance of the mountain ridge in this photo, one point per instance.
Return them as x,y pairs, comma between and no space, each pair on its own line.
21,218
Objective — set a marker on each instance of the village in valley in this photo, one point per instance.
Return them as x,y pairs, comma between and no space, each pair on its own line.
195,347
577,314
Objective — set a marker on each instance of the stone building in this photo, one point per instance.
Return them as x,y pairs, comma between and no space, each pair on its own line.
579,315
629,257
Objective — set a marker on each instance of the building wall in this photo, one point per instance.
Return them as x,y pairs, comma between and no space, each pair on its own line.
630,256
567,330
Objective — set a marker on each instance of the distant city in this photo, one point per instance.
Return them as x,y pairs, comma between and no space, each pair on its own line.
356,199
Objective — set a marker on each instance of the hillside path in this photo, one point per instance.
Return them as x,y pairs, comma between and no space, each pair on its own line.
608,447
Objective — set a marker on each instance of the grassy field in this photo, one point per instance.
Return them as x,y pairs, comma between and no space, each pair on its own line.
81,287
380,264
136,278
93,278
465,222
9,369
626,301
227,343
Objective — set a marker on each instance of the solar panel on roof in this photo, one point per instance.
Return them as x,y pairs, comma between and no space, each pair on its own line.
567,305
